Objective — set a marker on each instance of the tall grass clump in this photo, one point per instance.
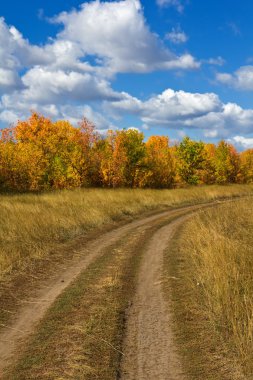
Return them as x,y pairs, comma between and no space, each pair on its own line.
219,246
31,225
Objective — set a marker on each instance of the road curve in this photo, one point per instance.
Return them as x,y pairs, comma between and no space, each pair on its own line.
13,336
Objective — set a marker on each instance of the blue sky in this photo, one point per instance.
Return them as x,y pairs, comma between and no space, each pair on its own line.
172,67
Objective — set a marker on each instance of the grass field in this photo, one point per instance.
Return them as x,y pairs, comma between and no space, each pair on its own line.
212,262
32,225
82,332
81,335
208,279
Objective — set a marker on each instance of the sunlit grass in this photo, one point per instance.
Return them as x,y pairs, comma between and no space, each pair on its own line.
217,247
32,225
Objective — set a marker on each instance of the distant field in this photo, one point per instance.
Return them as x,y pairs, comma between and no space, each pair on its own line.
213,297
32,225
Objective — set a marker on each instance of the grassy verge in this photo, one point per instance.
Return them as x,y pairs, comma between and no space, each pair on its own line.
81,335
31,226
209,269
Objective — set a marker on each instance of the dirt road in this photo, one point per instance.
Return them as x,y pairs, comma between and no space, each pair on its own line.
148,347
149,351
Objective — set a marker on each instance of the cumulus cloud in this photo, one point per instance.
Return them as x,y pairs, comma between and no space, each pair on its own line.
97,41
75,113
8,117
169,106
16,52
43,85
241,79
180,110
242,142
72,112
176,36
118,34
71,74
9,79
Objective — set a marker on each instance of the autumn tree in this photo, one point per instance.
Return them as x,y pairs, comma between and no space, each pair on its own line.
246,166
207,172
190,158
20,163
124,152
59,144
159,167
133,145
38,154
108,164
91,146
42,154
226,161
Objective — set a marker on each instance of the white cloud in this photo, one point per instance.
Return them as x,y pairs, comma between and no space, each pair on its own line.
8,117
211,133
242,142
97,41
169,106
178,4
71,112
115,34
46,91
176,36
118,34
9,79
180,110
16,52
44,85
241,79
75,113
172,105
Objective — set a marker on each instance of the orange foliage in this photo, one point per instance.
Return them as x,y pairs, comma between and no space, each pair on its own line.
40,154
160,165
246,165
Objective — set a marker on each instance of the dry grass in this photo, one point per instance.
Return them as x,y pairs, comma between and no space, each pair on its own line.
216,273
81,335
31,225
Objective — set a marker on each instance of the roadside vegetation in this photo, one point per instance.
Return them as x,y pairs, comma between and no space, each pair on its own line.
81,335
41,154
209,269
33,225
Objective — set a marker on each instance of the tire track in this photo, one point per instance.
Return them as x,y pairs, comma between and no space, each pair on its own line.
149,349
14,336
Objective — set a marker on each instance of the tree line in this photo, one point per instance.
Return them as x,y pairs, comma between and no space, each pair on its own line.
41,154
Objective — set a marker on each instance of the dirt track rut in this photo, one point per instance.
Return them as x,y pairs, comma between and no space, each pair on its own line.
149,351
148,318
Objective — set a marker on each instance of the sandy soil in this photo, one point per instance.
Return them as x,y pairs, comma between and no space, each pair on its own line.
149,350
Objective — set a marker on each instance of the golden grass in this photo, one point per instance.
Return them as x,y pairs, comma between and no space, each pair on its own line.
81,335
32,225
217,247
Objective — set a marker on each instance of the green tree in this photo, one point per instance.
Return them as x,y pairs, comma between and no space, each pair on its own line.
190,160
